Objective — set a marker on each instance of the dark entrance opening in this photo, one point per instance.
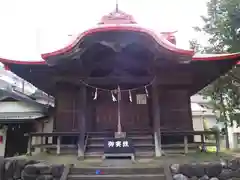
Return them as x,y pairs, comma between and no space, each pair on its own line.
17,143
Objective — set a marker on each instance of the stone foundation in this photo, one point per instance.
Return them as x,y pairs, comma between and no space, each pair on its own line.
224,170
21,169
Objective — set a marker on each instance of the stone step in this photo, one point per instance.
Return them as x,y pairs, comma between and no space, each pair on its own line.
93,155
140,154
118,177
116,170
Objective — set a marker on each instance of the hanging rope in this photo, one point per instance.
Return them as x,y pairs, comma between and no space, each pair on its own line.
122,90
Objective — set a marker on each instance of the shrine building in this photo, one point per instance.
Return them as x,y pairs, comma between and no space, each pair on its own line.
119,78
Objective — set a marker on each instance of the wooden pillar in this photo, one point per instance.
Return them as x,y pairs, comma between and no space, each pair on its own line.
58,145
185,144
29,150
156,120
202,142
217,137
82,102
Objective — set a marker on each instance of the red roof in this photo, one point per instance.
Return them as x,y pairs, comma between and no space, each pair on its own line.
160,39
119,21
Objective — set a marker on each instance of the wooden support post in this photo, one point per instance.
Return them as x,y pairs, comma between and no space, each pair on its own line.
156,120
58,145
29,151
41,148
46,140
80,151
82,120
203,142
185,144
217,137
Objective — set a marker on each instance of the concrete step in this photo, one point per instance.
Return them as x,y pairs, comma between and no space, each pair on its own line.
118,177
116,170
126,172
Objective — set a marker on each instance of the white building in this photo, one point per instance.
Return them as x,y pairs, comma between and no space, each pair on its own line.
201,109
22,109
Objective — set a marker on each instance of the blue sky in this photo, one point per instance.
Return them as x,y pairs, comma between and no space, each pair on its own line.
31,27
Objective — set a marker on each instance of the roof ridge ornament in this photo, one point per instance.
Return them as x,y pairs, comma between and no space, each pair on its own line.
117,17
117,9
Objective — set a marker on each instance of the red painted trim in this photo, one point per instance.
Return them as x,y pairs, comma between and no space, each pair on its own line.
217,57
160,40
6,67
10,61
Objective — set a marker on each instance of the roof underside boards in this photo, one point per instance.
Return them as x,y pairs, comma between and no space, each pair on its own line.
115,45
126,29
203,73
21,115
38,75
9,92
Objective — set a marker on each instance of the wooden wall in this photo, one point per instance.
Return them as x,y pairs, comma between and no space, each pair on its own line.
67,107
75,110
175,110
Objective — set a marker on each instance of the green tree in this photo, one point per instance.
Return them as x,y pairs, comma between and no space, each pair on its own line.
222,25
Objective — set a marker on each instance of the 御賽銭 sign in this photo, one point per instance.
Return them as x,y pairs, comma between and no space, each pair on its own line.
118,146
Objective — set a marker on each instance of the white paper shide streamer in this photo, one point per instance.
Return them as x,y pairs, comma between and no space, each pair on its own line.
146,91
130,96
113,97
95,94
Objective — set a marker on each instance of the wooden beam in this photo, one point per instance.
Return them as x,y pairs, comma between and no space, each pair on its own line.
166,79
106,80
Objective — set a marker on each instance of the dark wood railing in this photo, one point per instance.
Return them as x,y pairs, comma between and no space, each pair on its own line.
58,145
186,144
82,142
